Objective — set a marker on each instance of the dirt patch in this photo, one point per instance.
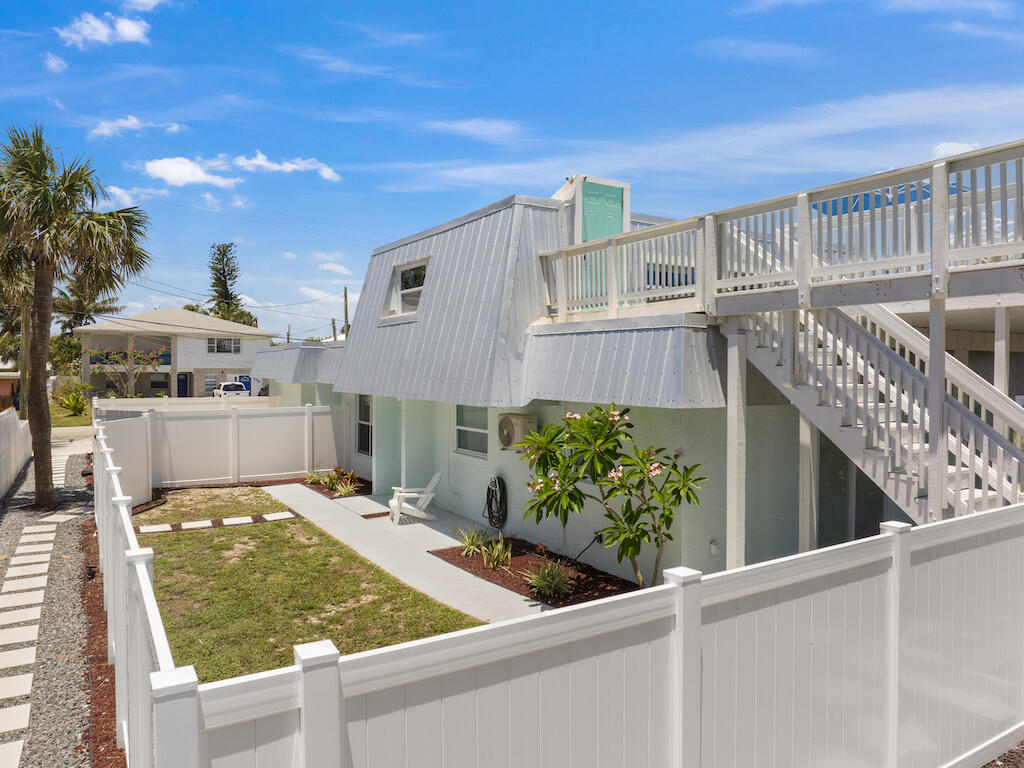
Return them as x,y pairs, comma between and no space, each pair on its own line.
102,741
1012,759
588,583
238,549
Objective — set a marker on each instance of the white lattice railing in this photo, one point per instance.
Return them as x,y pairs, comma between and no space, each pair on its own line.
885,226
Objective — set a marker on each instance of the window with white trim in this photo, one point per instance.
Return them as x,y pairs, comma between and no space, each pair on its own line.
229,346
406,288
364,426
471,430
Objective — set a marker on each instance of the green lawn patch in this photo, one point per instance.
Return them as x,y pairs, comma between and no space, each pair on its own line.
61,418
209,504
235,600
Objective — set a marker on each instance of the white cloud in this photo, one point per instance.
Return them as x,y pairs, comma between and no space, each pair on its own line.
141,5
734,48
179,171
210,202
109,128
54,63
137,305
387,39
1014,37
259,162
109,30
125,198
848,137
324,296
479,128
339,66
289,255
237,202
333,266
947,148
58,104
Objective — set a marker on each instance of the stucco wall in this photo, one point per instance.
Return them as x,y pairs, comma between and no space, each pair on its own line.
192,354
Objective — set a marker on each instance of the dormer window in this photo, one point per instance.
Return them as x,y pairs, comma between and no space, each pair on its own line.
406,287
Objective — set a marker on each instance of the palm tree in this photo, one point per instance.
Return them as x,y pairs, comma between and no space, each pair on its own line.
80,302
49,227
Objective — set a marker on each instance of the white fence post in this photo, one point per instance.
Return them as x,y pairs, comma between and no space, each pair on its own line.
686,682
148,416
709,265
563,287
320,720
236,446
176,718
898,576
309,437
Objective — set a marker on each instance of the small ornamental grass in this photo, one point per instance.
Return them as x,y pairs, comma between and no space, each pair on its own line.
74,403
497,553
549,580
472,540
338,481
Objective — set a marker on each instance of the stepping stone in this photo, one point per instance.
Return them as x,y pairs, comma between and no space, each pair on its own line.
19,657
20,615
13,635
35,538
21,598
39,528
57,518
26,559
10,754
27,549
27,570
279,516
32,582
14,718
237,520
196,524
161,528
14,686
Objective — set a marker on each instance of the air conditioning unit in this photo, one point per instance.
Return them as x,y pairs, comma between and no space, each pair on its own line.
513,427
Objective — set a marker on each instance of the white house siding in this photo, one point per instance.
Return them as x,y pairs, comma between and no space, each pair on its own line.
192,355
430,435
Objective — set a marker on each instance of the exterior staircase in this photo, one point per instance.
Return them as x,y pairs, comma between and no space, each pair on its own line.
860,376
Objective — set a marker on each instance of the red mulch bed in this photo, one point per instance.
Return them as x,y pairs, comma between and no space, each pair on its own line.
588,583
1012,759
102,741
160,494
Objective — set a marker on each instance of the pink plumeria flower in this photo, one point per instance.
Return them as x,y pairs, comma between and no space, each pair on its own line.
678,452
569,415
615,474
656,469
614,416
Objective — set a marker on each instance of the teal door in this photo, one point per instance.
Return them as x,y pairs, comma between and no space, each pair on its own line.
602,211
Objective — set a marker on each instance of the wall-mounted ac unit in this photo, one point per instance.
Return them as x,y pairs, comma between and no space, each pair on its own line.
513,427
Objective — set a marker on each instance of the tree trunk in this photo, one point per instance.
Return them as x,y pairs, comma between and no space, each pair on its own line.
26,323
38,403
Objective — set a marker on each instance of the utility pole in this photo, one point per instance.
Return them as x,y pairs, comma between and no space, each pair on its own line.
334,330
346,311
288,338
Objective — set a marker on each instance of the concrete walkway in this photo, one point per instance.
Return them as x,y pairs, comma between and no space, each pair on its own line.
61,447
404,550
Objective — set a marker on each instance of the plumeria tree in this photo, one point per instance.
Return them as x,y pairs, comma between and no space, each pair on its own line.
123,365
592,456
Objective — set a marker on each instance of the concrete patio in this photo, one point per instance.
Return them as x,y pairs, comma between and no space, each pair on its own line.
404,550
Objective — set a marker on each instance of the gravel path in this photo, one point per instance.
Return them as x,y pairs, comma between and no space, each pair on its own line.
59,706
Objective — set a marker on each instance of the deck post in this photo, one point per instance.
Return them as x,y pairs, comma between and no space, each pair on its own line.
940,229
1001,372
804,250
897,619
611,260
709,263
176,718
320,722
736,448
938,448
808,523
686,679
563,287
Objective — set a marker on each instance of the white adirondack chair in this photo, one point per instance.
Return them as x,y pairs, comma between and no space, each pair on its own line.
400,502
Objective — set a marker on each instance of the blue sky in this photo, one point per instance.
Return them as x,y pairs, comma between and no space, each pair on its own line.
309,133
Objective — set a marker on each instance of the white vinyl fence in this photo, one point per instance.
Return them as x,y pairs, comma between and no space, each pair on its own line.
106,408
15,448
903,649
174,448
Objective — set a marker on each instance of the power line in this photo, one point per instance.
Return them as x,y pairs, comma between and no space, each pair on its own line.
254,306
204,298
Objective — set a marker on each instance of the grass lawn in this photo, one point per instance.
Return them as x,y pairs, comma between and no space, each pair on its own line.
61,418
235,600
209,504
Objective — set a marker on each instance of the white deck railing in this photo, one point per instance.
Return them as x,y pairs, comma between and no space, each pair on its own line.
876,228
902,649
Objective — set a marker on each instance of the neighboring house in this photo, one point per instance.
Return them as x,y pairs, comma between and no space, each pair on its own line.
757,356
201,351
9,383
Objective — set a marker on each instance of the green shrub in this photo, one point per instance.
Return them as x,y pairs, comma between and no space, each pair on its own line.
72,387
497,553
74,403
550,580
346,489
315,478
472,540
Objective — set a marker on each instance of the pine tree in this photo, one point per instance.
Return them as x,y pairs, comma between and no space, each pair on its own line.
223,275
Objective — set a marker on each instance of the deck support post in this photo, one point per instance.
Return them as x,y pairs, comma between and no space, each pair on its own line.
1001,371
611,260
736,448
563,287
808,523
804,250
709,264
937,442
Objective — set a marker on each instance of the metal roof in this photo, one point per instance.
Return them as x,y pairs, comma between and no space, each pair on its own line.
474,339
172,321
